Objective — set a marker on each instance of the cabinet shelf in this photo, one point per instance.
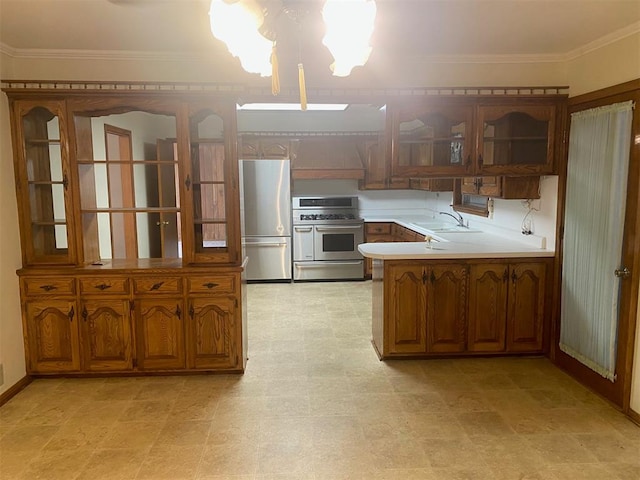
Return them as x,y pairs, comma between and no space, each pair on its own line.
209,221
48,223
132,210
46,182
42,141
433,140
516,139
127,162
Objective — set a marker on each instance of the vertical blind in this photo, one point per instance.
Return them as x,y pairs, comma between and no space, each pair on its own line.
599,144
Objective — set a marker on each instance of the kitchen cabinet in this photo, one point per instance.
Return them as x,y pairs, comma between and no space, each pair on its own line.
475,136
509,188
106,334
426,307
376,232
327,157
160,333
431,184
460,307
212,327
252,147
43,175
377,174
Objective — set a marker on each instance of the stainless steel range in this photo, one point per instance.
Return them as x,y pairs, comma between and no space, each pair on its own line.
326,235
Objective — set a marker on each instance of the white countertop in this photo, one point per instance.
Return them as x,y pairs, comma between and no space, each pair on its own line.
447,245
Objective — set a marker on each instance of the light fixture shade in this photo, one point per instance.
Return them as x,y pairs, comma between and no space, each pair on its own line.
237,24
349,27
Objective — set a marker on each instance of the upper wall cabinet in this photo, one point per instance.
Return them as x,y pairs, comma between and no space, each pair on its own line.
475,136
432,139
42,172
210,185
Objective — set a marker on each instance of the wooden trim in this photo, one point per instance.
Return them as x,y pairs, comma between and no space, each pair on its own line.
15,389
634,416
600,95
302,173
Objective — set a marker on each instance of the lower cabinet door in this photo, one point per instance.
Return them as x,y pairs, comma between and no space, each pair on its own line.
526,307
106,334
488,287
446,312
53,340
160,333
213,333
406,309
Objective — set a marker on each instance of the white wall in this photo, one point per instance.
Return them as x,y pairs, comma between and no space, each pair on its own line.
11,343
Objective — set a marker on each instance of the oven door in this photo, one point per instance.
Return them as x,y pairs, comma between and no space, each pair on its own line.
337,242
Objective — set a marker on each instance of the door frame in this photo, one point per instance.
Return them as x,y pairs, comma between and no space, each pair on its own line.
619,391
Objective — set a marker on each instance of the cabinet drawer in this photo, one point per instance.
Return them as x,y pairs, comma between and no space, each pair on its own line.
104,286
157,285
378,228
214,284
49,286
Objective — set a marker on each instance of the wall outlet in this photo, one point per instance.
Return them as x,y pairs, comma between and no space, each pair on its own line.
1,374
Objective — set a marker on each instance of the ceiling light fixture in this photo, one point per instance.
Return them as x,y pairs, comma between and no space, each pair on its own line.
248,28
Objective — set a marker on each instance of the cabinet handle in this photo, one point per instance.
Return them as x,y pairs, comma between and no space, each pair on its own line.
191,311
505,275
48,288
103,286
71,314
65,181
210,285
514,277
85,314
424,277
480,161
156,286
131,305
433,277
178,312
187,182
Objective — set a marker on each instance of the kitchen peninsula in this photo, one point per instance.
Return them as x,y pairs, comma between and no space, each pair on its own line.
464,293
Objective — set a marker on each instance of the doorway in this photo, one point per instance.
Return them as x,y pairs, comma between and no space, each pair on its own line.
617,388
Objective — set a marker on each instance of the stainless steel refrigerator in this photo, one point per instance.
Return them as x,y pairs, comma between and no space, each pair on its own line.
266,217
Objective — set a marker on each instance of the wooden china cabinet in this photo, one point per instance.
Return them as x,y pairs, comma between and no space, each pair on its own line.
129,222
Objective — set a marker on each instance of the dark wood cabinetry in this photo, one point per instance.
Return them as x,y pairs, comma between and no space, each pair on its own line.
480,136
119,195
460,307
253,147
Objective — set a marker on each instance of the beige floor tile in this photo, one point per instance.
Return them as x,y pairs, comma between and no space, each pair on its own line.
583,471
558,449
293,458
171,463
182,434
13,463
286,430
56,465
109,464
400,452
104,412
432,425
26,438
448,452
484,423
228,459
611,447
146,411
337,430
332,404
463,473
233,430
132,435
72,436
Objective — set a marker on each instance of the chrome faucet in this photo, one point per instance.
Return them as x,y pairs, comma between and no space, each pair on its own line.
458,219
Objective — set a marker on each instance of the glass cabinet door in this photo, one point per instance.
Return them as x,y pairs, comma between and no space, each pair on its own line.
516,139
211,186
433,140
43,165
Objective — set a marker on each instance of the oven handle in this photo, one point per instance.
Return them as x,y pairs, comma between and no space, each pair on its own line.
302,229
265,244
326,264
339,227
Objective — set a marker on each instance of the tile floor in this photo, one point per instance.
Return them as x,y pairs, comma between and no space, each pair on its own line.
315,403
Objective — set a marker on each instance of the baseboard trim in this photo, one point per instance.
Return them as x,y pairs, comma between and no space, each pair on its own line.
633,415
15,389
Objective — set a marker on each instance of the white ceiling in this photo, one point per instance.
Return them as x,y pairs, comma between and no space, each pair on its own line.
404,29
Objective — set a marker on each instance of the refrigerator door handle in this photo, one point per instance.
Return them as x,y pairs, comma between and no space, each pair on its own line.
265,244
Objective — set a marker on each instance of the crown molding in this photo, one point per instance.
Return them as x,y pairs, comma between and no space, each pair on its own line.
603,41
489,59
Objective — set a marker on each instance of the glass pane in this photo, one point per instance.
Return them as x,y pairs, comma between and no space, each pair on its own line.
49,239
515,139
210,202
149,229
208,162
47,203
431,140
123,243
210,235
104,235
145,184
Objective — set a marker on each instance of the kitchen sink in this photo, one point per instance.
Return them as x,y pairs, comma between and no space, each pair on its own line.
446,228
